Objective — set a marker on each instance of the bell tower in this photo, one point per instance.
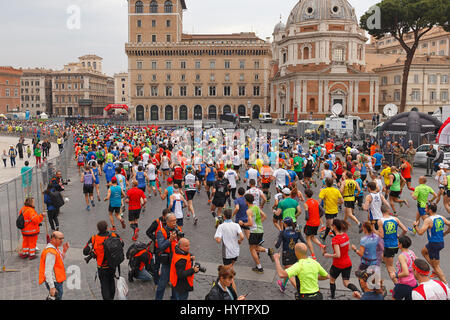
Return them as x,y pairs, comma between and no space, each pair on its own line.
155,21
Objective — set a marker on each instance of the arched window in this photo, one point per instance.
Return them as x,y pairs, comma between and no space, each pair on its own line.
212,112
363,106
154,7
312,105
183,113
306,53
242,111
154,113
140,113
226,109
168,6
198,112
169,113
139,7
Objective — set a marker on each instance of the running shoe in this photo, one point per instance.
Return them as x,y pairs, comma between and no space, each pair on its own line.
217,223
314,257
213,214
93,203
258,270
88,208
136,234
195,220
394,214
270,254
188,216
280,285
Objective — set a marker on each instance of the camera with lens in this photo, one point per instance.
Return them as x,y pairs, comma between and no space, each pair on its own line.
200,268
179,233
90,256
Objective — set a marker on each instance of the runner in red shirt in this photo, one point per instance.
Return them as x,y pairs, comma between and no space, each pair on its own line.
342,264
134,198
312,210
406,171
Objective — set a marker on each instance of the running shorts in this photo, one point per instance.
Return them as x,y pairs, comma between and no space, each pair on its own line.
288,258
349,204
190,194
330,216
227,261
422,211
134,214
114,209
266,185
390,252
434,248
335,272
311,231
394,194
255,238
219,202
88,189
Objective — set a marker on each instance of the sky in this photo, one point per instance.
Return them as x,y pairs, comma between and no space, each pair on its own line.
45,33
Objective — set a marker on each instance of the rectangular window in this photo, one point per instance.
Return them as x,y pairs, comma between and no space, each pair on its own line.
212,77
183,91
241,91
197,77
168,91
153,37
227,64
256,77
6,92
139,91
154,91
198,91
183,77
383,95
256,91
168,65
397,95
168,38
444,95
444,78
432,79
197,64
227,91
153,23
227,77
212,91
139,38
139,23
241,64
432,95
139,65
139,78
183,65
168,77
397,79
154,65
241,77
416,78
425,45
384,81
441,52
168,23
154,77
212,64
256,64
442,42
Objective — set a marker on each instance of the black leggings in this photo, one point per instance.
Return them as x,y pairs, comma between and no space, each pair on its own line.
53,218
107,283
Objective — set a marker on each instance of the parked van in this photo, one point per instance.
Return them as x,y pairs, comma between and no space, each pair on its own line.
265,118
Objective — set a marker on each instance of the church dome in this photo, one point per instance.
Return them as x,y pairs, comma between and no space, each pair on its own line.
318,10
279,27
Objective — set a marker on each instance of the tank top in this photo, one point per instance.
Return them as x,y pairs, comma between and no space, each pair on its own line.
257,226
436,233
169,193
396,183
390,229
177,207
406,172
140,177
189,181
202,169
211,175
88,179
442,179
408,280
375,207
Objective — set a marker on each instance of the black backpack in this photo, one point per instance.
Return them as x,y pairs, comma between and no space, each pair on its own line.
114,255
132,251
57,199
20,222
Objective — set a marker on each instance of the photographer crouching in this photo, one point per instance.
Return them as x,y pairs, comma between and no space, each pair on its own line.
183,269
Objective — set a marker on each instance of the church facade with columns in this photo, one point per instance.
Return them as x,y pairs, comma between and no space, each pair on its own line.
319,60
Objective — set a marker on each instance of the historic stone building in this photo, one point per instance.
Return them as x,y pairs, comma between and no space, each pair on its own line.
81,89
36,91
9,89
176,76
319,60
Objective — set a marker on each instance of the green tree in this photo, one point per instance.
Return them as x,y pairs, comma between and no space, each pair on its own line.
400,18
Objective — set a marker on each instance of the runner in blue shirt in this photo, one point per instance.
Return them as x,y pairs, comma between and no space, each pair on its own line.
110,170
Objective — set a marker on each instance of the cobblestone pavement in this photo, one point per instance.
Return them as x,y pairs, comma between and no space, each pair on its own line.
78,225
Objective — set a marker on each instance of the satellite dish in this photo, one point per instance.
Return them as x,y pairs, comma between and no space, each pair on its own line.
337,109
390,110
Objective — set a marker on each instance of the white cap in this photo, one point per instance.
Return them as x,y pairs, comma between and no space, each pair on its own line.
286,191
443,166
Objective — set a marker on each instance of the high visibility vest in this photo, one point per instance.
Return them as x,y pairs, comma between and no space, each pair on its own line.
60,271
160,227
171,248
32,220
97,245
173,272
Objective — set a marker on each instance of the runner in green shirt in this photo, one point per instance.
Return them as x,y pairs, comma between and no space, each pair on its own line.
396,183
307,272
421,194
298,167
288,207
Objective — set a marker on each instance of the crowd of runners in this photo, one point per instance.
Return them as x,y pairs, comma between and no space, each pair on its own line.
313,195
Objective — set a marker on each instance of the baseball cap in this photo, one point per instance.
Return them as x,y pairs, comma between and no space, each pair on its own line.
288,220
114,179
286,191
170,180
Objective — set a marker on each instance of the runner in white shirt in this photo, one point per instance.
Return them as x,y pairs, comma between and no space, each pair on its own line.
151,173
251,173
177,202
428,289
257,194
145,157
190,186
231,236
280,177
373,203
232,176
